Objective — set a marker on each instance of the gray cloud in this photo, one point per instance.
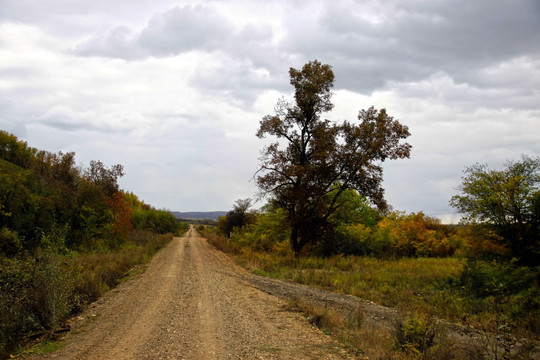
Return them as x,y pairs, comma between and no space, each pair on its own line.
244,49
180,30
183,29
409,41
118,43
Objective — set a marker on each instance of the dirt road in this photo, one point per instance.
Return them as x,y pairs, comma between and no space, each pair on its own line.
193,302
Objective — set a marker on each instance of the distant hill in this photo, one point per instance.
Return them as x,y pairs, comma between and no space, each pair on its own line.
199,215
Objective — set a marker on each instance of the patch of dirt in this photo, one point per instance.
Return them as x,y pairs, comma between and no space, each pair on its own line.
194,302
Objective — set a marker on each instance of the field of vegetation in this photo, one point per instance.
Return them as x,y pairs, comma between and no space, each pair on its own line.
67,235
410,262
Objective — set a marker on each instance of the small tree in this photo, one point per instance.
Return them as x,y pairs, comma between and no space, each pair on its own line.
319,159
508,200
237,217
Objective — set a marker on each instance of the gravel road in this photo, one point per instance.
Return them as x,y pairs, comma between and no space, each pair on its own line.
193,302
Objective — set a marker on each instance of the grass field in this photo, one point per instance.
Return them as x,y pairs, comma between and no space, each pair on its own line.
482,294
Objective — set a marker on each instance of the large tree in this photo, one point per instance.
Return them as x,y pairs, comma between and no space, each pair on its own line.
508,200
317,160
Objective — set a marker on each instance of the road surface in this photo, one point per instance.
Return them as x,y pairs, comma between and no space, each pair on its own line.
193,302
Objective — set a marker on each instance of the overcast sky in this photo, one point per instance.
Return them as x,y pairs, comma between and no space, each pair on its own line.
174,90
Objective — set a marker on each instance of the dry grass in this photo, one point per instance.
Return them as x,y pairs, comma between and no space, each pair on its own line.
98,272
420,288
37,294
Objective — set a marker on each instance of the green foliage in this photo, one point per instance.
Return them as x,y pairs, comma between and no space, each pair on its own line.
355,209
158,221
491,278
36,296
14,151
236,218
321,159
10,243
52,289
39,189
268,232
508,200
415,334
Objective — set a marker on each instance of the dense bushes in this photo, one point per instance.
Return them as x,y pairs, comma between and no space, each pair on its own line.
396,235
508,291
40,191
66,236
367,233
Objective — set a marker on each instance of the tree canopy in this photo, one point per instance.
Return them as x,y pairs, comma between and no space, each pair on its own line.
507,199
42,193
236,218
317,160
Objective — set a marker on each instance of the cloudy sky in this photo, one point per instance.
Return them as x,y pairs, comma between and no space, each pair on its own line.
174,90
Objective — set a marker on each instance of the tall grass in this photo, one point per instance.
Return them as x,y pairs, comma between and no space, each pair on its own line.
96,273
475,293
38,293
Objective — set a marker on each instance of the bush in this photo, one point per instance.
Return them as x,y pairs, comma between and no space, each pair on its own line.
52,290
158,221
396,235
267,233
492,278
36,296
10,243
415,334
38,293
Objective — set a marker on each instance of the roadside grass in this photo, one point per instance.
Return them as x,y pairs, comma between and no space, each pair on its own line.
48,346
408,339
96,273
422,284
421,289
431,286
39,294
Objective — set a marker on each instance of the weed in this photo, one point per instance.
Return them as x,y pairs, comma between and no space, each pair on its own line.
415,334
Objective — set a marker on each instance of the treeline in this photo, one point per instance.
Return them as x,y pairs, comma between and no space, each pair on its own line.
501,211
67,234
358,229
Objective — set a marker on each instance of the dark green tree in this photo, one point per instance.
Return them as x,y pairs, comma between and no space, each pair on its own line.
237,217
317,160
508,200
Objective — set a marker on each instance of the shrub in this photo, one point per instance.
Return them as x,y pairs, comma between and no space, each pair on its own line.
52,289
479,241
10,243
267,233
36,296
415,334
396,235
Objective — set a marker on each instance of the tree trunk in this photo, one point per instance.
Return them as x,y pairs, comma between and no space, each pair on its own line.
295,246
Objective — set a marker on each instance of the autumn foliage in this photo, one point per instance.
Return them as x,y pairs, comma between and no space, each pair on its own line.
66,236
